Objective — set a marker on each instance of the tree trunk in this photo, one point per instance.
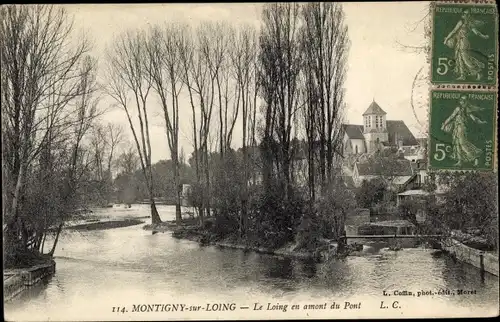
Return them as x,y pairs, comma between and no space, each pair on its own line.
178,216
51,253
17,194
207,179
155,217
43,242
286,172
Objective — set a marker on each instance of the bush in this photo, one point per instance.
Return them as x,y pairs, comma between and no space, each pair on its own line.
273,220
371,193
333,208
408,210
308,232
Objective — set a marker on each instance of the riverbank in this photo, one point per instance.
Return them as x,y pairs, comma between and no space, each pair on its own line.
19,279
190,230
171,225
485,261
108,224
289,250
325,250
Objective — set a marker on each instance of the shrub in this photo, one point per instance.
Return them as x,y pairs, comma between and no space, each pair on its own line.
273,220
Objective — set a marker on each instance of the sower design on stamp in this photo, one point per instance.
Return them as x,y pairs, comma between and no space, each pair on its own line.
464,45
462,130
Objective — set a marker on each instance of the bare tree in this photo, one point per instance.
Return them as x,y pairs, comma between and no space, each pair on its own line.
98,142
325,42
213,44
423,24
281,60
243,63
165,68
199,76
128,66
115,138
104,142
45,80
128,161
86,111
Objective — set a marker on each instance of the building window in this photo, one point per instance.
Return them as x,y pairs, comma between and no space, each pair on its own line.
379,122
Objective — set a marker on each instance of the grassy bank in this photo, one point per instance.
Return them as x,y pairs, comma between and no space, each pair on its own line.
186,223
324,249
25,259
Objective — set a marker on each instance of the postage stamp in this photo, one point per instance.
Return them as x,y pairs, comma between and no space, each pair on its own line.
462,130
464,44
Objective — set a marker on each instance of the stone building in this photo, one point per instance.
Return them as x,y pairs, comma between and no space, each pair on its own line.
377,133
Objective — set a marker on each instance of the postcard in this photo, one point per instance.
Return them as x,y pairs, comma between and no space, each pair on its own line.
228,161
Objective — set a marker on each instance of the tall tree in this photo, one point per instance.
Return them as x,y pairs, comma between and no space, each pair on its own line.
104,141
281,62
243,63
128,65
47,82
200,67
325,43
165,68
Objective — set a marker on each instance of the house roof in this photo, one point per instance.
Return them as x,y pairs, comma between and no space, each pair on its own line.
395,129
398,130
353,131
411,150
374,108
385,165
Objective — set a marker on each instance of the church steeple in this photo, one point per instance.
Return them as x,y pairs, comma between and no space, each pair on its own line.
374,118
374,109
375,129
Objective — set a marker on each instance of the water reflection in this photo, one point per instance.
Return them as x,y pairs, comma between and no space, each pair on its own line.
96,266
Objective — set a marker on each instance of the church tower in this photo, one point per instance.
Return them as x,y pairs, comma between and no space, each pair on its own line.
374,127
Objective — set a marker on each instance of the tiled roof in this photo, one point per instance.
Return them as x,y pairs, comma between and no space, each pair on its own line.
353,131
374,108
395,128
399,130
385,166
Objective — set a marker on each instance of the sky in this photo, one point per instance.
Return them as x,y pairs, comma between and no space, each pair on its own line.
378,68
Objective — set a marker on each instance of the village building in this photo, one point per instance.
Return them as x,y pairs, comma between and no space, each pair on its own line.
396,172
378,133
402,161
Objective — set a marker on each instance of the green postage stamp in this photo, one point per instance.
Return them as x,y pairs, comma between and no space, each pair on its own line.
464,44
462,130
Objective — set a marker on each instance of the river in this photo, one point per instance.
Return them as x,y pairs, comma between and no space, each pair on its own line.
122,267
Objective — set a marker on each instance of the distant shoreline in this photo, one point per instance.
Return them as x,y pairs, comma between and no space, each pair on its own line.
102,225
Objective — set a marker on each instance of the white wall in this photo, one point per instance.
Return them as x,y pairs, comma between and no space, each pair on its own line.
360,144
